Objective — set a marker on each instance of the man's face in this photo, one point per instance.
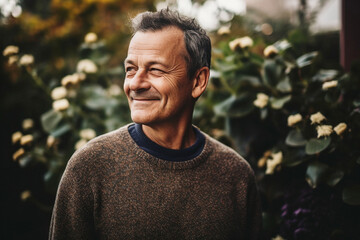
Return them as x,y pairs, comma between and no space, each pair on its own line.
156,82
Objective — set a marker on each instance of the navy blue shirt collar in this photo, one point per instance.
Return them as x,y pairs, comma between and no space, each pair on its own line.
161,152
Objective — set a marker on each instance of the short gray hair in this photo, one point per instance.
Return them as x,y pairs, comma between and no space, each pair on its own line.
198,44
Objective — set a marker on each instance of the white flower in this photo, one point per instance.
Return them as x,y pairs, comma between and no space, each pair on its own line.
15,137
26,139
114,90
73,79
324,130
261,100
18,154
61,104
241,42
293,119
86,66
270,51
13,59
80,144
317,118
271,164
340,128
329,84
26,60
87,134
90,37
223,30
27,123
58,93
10,50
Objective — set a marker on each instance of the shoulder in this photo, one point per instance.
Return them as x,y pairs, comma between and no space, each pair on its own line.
100,149
227,159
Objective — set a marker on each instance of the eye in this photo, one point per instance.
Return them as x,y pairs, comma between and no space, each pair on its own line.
130,71
156,71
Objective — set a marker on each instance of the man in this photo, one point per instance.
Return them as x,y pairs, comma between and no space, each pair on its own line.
161,177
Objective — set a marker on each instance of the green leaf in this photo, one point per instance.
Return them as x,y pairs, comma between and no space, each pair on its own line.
284,85
306,59
61,130
50,120
272,72
351,195
335,177
316,145
325,75
316,173
235,106
295,138
278,103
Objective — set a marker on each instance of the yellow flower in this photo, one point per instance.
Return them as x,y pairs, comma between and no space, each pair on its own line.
26,60
10,50
271,164
223,30
26,139
80,144
262,161
270,51
15,137
90,37
243,42
114,90
324,130
87,134
293,119
61,104
261,100
25,195
86,66
329,84
317,118
340,128
13,59
50,141
58,93
18,154
27,124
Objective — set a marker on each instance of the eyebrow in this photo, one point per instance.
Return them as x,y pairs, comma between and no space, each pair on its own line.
129,61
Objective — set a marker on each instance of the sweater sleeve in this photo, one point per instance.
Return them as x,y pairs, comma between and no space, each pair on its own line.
254,216
72,216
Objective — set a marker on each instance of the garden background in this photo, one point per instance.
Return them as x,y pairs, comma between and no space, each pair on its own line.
277,94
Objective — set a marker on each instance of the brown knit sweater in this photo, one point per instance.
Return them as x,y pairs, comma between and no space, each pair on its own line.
112,189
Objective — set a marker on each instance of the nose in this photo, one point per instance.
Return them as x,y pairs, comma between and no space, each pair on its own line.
139,82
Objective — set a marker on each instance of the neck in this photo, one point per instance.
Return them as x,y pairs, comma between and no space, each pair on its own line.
172,136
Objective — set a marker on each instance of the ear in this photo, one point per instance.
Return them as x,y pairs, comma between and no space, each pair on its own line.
200,82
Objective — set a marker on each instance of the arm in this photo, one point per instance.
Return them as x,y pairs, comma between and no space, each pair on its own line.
72,216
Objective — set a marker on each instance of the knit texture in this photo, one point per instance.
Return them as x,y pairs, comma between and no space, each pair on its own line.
112,189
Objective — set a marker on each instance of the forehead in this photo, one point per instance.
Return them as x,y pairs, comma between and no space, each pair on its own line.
166,42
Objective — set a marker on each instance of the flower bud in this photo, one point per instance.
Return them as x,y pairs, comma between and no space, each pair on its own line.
340,128
261,100
86,66
243,42
18,154
27,124
270,51
61,104
90,37
329,84
16,136
223,30
26,139
58,93
10,50
26,60
87,134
